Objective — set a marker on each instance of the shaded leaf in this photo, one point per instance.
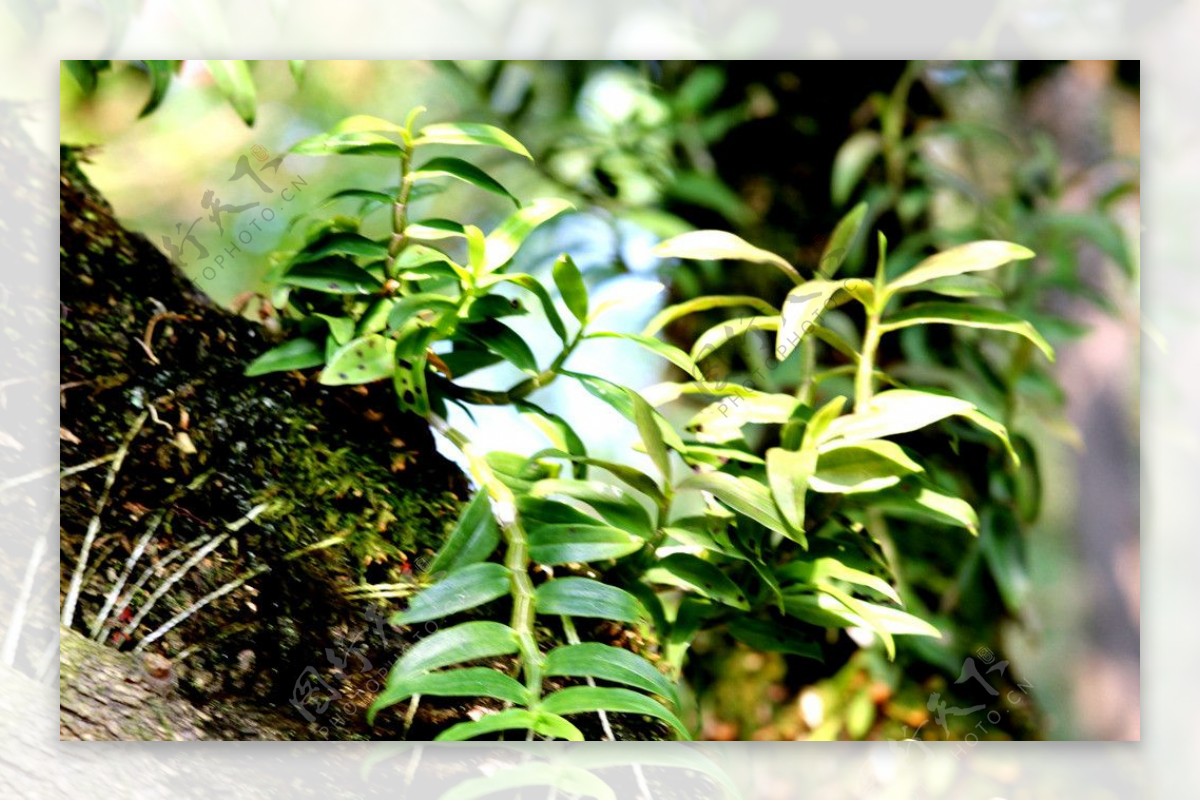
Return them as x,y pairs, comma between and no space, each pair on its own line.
467,588
763,635
297,354
968,316
463,171
565,544
466,642
704,303
569,281
841,240
609,663
473,539
361,361
851,163
333,274
693,573
471,682
574,700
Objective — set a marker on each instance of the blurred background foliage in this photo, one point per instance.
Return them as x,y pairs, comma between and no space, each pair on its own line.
1041,153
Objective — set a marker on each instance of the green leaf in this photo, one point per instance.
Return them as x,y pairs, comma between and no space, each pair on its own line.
574,700
466,642
469,133
851,163
822,571
296,67
369,198
463,171
804,304
435,229
361,361
866,466
894,411
929,504
719,245
160,80
361,134
467,588
841,240
473,539
646,420
558,431
743,495
502,340
426,306
621,399
84,72
656,346
612,502
723,421
532,285
575,596
506,238
335,275
969,316
788,474
340,328
609,663
234,81
763,635
710,192
972,257
963,286
541,722
700,89
472,682
341,243
297,354
693,573
565,544
569,281
721,333
632,477
704,303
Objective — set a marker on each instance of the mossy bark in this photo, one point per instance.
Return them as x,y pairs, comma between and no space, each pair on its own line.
139,342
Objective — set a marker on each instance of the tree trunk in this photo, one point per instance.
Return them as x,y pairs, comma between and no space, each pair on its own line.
213,523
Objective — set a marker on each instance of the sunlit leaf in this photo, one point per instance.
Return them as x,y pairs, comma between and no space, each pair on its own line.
504,241
693,573
972,257
721,333
361,361
471,682
333,274
743,495
969,316
656,346
866,466
466,642
574,700
469,133
565,544
841,241
609,663
569,281
472,540
719,245
704,303
789,474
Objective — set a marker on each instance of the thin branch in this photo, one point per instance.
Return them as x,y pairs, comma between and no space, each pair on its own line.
93,528
220,592
111,599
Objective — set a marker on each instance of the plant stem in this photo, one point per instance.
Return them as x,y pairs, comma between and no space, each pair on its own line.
516,555
400,215
864,375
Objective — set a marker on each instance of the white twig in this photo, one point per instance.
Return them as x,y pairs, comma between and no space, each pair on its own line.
88,465
8,653
220,592
149,571
110,600
93,528
192,561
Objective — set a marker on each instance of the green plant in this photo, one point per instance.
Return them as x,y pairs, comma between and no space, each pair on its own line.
774,550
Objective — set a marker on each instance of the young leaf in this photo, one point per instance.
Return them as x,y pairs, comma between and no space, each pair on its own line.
463,171
503,242
656,346
693,573
333,274
866,466
895,411
972,257
840,242
541,722
473,539
704,303
468,588
234,81
574,700
804,304
721,333
720,245
472,682
297,354
788,474
569,281
361,361
609,663
469,133
646,420
969,316
743,495
575,596
565,544
929,504
466,642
